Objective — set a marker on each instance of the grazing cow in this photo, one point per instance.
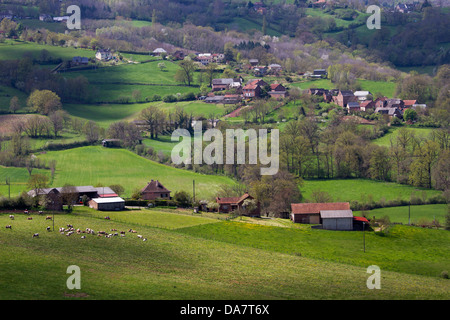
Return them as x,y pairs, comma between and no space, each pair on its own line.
69,226
139,236
35,235
48,218
9,227
26,211
145,239
83,237
41,212
30,218
11,217
48,228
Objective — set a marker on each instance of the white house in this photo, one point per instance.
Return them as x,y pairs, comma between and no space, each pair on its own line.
103,55
159,51
362,95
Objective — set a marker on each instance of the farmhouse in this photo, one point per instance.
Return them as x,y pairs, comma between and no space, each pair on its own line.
353,107
230,204
225,84
159,51
344,97
108,204
277,91
310,212
362,95
155,190
103,55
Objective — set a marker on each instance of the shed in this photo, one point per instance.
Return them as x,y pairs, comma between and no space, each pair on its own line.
337,219
109,204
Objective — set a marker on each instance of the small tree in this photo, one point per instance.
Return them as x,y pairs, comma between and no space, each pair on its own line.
182,198
14,104
117,188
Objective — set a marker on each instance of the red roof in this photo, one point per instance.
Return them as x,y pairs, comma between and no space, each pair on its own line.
308,208
409,102
362,219
154,186
233,200
109,195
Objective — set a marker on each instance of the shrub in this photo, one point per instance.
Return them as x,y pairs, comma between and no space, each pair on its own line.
444,274
170,98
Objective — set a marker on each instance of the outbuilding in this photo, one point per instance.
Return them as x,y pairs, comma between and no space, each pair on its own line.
337,219
107,204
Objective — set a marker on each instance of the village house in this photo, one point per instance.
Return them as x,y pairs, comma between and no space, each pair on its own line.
103,55
155,190
159,51
204,58
391,112
277,91
362,95
319,74
275,68
353,107
230,204
253,88
367,105
226,84
253,62
344,97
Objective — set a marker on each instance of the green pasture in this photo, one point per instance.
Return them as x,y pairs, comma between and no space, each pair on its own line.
141,73
383,87
18,178
393,132
6,93
409,250
163,143
113,93
12,50
418,213
214,261
363,190
108,166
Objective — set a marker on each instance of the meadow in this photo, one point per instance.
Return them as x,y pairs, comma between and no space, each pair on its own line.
214,261
393,131
10,50
361,190
418,214
386,88
107,166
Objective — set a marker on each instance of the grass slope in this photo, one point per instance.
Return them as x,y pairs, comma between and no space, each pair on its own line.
360,189
98,165
183,266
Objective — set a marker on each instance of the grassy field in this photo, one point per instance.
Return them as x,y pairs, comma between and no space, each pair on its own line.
215,261
360,190
105,114
383,87
386,139
418,214
98,165
10,50
18,177
6,93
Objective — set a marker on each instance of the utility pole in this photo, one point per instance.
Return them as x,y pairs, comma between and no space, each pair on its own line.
409,213
364,235
193,189
8,182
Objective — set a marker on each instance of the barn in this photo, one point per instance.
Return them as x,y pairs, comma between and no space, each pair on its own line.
310,212
337,219
107,204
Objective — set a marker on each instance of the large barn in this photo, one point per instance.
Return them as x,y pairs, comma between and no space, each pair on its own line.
310,212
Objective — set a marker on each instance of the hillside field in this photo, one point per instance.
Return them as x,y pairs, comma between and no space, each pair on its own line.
108,166
215,260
